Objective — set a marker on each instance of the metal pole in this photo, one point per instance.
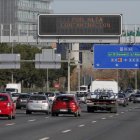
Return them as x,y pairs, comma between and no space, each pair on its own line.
136,80
68,71
79,77
47,81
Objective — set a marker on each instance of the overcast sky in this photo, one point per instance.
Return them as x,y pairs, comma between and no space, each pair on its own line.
129,8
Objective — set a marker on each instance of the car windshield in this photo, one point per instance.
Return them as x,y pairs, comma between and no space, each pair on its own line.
3,98
37,98
64,98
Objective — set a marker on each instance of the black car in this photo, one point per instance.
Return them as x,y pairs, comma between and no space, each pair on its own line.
22,100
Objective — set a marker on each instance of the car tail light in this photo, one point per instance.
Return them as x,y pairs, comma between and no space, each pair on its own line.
8,104
72,104
113,102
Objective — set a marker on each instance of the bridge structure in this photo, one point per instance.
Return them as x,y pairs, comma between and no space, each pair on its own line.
130,34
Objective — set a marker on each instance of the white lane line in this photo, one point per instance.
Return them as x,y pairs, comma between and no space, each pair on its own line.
82,125
117,114
46,138
66,131
103,118
111,116
122,112
94,121
32,120
46,117
10,124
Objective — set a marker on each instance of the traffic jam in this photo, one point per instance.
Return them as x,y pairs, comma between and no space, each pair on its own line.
109,99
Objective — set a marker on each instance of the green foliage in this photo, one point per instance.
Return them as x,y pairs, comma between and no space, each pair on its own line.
27,74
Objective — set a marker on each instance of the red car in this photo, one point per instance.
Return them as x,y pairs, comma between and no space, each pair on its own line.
7,106
66,104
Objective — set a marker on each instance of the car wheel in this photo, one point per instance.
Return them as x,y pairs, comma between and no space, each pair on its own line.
13,117
10,116
76,114
113,110
28,112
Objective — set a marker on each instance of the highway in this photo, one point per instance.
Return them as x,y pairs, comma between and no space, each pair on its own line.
124,125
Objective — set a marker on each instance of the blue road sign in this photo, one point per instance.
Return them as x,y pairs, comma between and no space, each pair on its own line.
116,56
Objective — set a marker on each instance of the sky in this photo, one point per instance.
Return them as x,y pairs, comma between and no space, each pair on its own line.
130,9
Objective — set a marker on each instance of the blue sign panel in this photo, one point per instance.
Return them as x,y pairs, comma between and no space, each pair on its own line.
118,56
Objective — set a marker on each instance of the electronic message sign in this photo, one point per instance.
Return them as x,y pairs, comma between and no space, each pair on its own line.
117,56
79,25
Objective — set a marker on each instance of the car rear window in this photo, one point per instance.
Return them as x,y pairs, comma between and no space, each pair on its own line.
3,98
50,94
37,98
15,95
64,98
24,96
137,95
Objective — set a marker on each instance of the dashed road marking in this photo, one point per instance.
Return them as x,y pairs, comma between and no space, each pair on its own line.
66,131
45,138
103,118
111,116
10,124
122,112
82,125
32,120
94,121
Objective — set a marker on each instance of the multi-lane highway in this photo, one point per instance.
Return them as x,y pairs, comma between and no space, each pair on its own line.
124,125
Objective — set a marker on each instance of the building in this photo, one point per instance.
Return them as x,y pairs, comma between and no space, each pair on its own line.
20,16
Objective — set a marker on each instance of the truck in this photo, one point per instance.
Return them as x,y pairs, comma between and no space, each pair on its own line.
103,96
13,87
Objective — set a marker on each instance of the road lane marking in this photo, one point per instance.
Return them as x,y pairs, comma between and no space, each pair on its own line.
94,121
117,114
46,117
10,124
32,120
122,112
66,131
82,125
111,116
103,118
46,138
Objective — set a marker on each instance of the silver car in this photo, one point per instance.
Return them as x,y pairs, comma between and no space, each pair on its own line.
136,98
38,103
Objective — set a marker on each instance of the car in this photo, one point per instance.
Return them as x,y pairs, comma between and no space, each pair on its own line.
7,106
15,96
136,98
22,100
122,100
66,104
131,98
52,95
38,103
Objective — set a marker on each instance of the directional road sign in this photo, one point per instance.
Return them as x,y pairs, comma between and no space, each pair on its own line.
118,56
9,61
48,60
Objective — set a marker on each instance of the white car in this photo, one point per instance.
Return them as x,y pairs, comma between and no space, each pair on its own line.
38,103
51,95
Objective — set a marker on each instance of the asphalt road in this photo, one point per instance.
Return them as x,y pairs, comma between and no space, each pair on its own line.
125,125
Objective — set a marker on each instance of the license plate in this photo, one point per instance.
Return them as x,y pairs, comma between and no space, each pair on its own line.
63,110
